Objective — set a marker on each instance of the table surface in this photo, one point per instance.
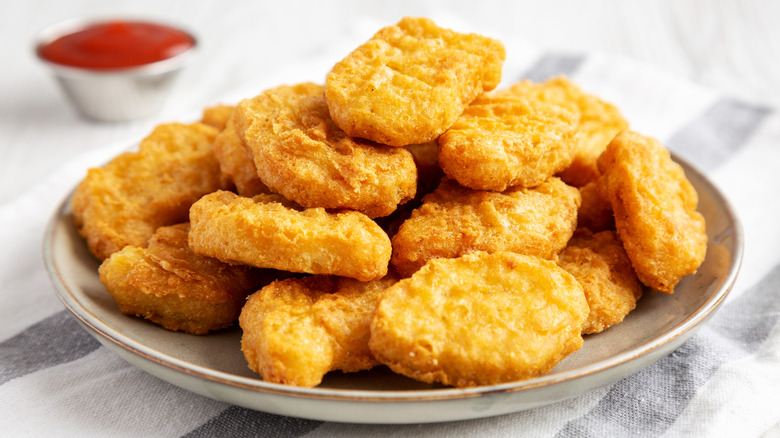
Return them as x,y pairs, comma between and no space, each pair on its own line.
730,46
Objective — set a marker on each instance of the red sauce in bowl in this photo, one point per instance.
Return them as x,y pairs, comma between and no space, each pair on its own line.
116,44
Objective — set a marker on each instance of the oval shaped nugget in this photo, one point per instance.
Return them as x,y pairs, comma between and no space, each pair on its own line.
479,319
455,220
410,81
125,201
267,232
300,153
508,138
297,330
654,206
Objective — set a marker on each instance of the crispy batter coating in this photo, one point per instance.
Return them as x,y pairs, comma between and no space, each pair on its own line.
655,210
217,116
595,212
267,232
297,330
455,220
125,201
479,319
599,123
507,138
236,161
172,286
600,264
300,153
410,81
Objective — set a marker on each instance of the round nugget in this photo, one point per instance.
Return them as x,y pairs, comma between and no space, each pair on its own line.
654,206
297,330
601,266
479,319
508,138
300,153
410,81
267,231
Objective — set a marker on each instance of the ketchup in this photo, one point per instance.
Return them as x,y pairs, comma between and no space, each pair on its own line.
116,44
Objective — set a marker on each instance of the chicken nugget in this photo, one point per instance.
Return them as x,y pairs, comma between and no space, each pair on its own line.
509,138
217,115
599,123
236,161
300,153
125,201
172,286
595,211
480,319
267,232
600,264
655,210
297,330
410,81
455,220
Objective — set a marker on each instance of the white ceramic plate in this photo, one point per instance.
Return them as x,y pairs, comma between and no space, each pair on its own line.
214,366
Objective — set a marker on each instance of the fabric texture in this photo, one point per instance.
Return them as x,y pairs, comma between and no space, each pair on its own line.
56,379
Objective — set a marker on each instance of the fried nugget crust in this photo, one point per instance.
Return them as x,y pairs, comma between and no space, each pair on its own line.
410,81
297,330
479,319
172,286
300,153
217,116
267,232
599,123
236,161
655,210
455,220
125,201
507,138
595,211
600,264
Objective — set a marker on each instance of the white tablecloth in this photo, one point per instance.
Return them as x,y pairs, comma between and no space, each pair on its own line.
56,380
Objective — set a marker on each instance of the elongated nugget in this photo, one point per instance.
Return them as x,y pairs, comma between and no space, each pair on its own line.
297,330
509,138
125,201
267,232
300,153
479,319
172,286
655,210
454,220
600,264
410,81
599,123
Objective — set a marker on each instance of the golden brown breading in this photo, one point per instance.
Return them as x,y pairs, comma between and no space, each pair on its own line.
600,264
509,138
595,212
125,201
236,161
172,286
479,319
599,123
297,330
410,81
267,232
217,116
655,210
300,153
454,220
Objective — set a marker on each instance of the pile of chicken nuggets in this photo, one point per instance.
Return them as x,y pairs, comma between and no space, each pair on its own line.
405,213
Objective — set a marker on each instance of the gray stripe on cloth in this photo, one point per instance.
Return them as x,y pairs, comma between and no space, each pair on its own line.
240,422
718,133
551,65
648,402
52,341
